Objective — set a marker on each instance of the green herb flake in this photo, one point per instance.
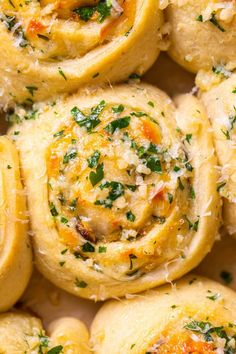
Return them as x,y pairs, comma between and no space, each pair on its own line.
56,350
103,9
58,134
192,193
88,121
213,297
151,104
154,164
93,160
88,247
215,22
31,89
102,249
64,220
130,216
80,283
188,137
71,155
118,109
62,73
96,177
53,209
119,123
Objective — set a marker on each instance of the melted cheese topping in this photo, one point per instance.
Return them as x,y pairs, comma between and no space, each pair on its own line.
181,344
193,316
118,182
55,30
54,47
120,187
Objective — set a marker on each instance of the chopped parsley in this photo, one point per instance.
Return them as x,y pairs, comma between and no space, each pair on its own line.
96,177
207,330
221,70
31,89
102,249
56,350
193,225
213,20
80,283
213,297
53,210
118,109
102,9
93,160
130,216
88,121
71,155
88,247
116,190
62,73
154,164
58,134
119,123
188,137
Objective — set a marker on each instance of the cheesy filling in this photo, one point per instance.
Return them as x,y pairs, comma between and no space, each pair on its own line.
54,30
120,189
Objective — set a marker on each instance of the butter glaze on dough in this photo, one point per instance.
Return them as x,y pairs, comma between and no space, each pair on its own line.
70,172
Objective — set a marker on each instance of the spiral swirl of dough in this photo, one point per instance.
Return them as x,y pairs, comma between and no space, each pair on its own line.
54,46
121,188
195,315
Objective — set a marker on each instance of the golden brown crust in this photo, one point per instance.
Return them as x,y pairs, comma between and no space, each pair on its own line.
50,49
176,318
167,204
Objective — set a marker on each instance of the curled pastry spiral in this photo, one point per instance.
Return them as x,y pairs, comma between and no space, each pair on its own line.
15,250
122,189
203,34
54,46
23,333
220,103
196,315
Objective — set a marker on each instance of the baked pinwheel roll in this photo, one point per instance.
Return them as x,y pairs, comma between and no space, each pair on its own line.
54,46
220,105
23,333
122,189
203,34
15,250
196,315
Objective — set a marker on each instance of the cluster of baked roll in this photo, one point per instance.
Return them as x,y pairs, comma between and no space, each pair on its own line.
115,187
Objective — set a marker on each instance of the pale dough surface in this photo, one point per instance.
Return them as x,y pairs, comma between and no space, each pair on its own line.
49,302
